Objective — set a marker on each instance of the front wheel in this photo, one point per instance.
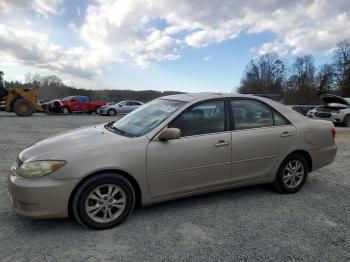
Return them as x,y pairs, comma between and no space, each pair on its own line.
23,107
103,201
111,112
292,174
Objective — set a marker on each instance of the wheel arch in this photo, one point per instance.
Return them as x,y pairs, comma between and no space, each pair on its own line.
303,153
112,108
129,177
345,117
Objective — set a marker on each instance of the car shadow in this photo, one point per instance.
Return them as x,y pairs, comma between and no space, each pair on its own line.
213,198
186,204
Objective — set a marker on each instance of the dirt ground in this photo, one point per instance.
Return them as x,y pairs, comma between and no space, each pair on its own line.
247,224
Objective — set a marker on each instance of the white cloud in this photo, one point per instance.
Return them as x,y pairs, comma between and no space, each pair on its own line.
34,49
147,32
129,27
124,29
207,58
78,10
42,7
272,47
46,7
72,26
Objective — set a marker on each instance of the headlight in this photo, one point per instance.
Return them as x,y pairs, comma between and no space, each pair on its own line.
39,168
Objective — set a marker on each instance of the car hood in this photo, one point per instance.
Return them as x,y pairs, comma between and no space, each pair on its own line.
333,99
77,141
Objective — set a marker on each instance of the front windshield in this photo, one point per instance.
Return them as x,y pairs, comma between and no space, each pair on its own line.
147,117
67,98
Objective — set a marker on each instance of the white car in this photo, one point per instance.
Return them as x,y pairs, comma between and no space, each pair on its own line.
122,107
335,109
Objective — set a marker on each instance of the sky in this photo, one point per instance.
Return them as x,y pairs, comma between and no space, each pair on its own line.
182,45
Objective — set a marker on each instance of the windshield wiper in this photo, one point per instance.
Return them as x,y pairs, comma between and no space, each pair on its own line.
110,127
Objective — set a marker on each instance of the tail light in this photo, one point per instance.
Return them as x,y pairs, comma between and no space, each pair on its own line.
333,132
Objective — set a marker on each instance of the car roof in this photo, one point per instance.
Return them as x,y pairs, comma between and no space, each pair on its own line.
129,101
288,112
189,97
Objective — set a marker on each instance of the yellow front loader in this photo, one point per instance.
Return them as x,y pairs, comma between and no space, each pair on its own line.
24,102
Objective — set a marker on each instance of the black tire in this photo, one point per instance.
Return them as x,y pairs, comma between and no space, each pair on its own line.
346,121
48,110
82,193
111,112
65,110
23,107
280,183
96,109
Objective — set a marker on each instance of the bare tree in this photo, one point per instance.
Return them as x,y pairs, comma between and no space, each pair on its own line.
301,82
325,79
32,79
264,75
341,64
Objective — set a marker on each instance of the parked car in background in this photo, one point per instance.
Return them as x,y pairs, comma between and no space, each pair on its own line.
335,109
123,107
172,147
302,109
74,104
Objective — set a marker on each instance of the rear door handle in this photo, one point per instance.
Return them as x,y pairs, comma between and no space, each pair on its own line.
286,134
222,143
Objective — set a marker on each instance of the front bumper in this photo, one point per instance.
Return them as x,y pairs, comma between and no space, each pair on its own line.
102,111
40,197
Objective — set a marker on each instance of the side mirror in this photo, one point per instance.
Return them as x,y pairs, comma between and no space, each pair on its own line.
120,105
169,134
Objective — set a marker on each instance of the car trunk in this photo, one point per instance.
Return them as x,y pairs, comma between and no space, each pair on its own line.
332,104
334,100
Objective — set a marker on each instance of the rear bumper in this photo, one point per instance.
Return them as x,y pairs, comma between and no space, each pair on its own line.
335,118
41,197
323,156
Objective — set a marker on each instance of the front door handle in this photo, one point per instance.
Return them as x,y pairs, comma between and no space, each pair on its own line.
222,143
286,134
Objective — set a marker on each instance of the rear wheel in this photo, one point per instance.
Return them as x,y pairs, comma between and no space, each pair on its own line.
346,121
111,112
103,201
292,174
23,107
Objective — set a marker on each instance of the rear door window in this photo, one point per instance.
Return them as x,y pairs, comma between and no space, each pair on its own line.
249,114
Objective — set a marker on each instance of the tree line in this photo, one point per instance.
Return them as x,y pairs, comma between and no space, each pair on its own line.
298,83
301,82
52,87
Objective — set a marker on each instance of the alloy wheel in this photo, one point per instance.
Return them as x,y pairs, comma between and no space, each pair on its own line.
293,174
105,203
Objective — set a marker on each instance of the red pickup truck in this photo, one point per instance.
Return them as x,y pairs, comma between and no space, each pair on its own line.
76,104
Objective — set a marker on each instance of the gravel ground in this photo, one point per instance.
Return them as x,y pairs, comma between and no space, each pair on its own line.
248,224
